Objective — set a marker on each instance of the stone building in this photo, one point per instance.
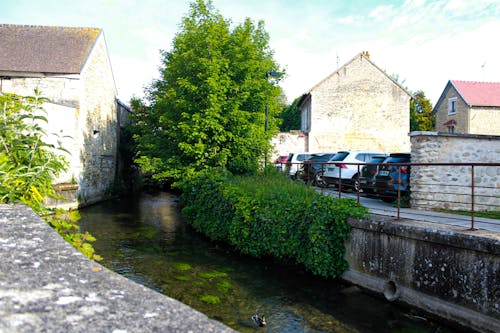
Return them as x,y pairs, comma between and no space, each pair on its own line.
356,107
469,108
71,68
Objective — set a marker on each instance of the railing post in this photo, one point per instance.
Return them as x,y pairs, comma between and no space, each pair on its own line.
399,190
472,198
340,182
359,185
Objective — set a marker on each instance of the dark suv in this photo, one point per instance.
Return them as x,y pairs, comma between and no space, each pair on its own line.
312,169
386,181
369,172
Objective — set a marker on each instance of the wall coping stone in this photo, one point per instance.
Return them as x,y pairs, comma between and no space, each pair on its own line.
48,286
455,135
448,235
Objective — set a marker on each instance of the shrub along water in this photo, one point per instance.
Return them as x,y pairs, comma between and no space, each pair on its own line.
28,166
270,215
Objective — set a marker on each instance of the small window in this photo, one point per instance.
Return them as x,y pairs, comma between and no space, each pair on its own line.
451,129
452,105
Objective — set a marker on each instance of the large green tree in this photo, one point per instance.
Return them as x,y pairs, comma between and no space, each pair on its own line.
421,117
291,116
208,108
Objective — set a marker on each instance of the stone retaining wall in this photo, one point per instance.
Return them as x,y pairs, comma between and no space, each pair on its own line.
449,187
48,286
442,270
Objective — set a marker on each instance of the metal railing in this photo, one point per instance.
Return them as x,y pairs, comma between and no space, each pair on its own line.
468,170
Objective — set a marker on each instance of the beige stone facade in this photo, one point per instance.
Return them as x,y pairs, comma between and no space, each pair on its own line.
450,187
455,115
82,111
357,107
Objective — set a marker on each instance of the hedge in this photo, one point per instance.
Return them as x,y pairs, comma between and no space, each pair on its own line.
270,215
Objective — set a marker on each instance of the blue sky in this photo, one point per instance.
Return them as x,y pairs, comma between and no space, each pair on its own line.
425,42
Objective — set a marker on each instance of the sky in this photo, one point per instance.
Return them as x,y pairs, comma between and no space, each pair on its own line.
424,43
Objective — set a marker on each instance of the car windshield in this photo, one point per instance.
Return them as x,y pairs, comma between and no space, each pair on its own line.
376,159
320,158
303,157
340,156
397,159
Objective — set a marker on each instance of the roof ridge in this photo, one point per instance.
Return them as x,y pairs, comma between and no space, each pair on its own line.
46,26
468,81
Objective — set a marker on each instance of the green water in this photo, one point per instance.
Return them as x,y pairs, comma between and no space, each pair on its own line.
145,239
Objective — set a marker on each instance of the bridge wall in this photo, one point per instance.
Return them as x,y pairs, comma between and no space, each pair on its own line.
446,271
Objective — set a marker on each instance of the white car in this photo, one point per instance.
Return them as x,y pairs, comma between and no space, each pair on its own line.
338,171
294,162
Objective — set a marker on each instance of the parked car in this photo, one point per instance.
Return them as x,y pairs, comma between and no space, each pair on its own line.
314,167
280,163
386,181
368,173
347,174
294,162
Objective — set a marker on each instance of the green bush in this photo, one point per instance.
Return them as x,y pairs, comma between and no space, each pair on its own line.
270,215
28,166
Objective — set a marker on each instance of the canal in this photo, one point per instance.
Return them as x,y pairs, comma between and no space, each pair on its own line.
145,239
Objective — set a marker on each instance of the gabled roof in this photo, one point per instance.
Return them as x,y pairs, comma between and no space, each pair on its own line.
364,56
478,93
45,49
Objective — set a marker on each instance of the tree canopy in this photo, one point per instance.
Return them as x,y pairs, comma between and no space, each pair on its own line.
421,117
291,116
208,107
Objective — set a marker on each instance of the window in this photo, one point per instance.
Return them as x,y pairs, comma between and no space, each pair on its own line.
452,105
451,129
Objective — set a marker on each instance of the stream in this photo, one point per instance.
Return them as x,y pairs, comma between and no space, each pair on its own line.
145,239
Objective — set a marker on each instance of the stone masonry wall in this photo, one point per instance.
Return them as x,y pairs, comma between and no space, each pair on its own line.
359,107
449,187
83,108
99,126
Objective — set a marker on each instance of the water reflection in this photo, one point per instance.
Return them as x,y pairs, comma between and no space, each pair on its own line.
145,239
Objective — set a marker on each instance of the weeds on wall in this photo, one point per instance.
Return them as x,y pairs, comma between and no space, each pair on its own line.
270,215
28,166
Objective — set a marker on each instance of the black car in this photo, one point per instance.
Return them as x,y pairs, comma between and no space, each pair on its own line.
312,169
368,173
387,180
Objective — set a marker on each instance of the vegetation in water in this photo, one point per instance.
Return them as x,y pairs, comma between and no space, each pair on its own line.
182,277
28,166
181,266
270,215
212,275
210,299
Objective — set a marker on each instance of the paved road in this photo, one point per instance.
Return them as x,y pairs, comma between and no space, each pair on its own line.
377,206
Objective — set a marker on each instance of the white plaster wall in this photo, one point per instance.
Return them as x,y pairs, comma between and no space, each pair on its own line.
286,142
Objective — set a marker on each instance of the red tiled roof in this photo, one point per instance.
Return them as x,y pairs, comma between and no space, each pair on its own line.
479,93
45,49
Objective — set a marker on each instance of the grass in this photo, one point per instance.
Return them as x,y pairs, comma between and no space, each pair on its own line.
487,214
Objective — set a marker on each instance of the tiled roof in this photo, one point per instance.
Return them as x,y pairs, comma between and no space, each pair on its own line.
45,49
478,93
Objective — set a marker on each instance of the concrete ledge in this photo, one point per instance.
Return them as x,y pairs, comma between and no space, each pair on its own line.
441,269
430,304
48,286
478,240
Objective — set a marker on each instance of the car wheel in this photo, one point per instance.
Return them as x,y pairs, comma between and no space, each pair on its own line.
355,184
318,179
